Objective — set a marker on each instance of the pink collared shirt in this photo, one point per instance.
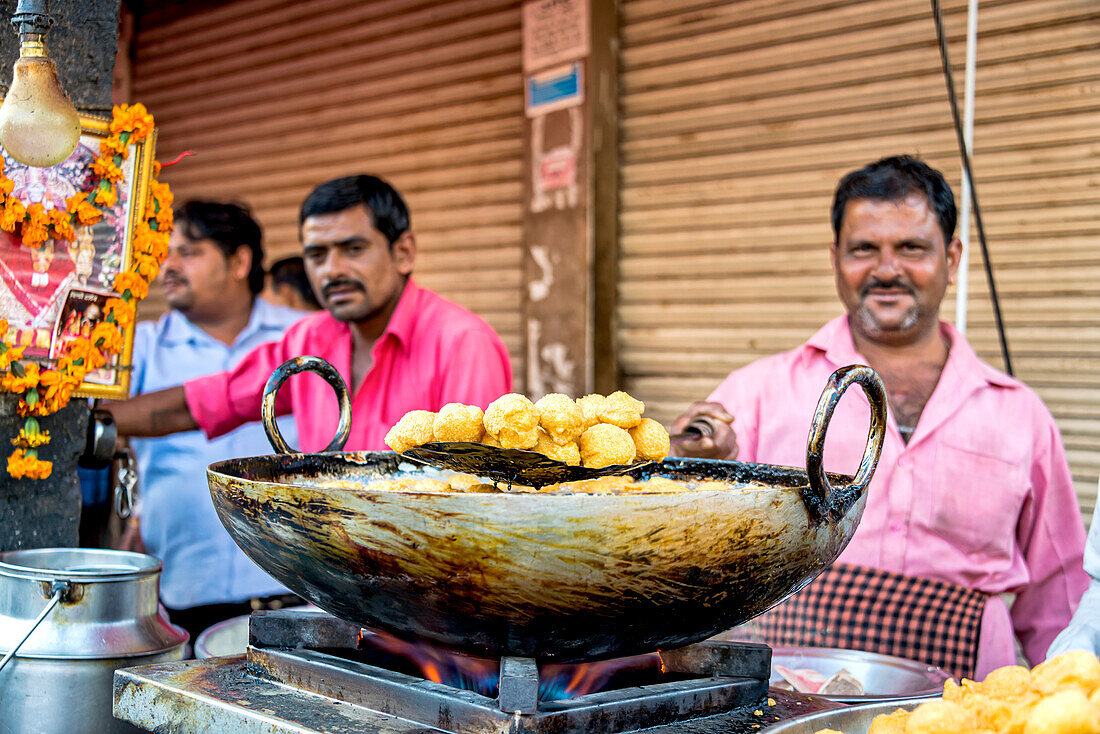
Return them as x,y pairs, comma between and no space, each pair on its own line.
981,496
433,352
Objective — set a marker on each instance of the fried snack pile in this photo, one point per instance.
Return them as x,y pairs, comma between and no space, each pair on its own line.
1060,696
468,483
594,431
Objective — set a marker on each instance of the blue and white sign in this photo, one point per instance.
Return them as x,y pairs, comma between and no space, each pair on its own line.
555,89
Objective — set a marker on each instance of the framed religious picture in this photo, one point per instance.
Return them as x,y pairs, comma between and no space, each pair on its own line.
47,291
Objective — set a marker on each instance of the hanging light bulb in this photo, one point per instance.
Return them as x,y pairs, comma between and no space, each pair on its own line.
38,124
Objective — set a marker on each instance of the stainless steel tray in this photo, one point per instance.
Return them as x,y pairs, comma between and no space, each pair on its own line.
884,677
852,720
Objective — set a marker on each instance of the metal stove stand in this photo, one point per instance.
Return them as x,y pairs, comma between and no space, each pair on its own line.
295,679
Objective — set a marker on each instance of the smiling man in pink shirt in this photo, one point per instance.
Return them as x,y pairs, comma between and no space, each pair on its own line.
972,535
398,346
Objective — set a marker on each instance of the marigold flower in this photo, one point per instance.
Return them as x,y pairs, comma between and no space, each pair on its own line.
146,266
95,359
160,193
51,380
11,354
34,232
106,196
134,119
122,311
12,215
85,212
166,219
20,465
78,349
6,185
13,382
3,322
105,168
62,224
107,337
31,440
130,281
111,146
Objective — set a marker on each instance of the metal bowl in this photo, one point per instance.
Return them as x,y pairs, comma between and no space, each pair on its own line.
884,677
852,720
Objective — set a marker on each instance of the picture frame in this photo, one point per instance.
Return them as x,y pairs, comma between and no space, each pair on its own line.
41,289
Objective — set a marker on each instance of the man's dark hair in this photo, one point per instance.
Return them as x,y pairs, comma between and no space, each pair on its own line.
230,227
894,179
386,207
292,271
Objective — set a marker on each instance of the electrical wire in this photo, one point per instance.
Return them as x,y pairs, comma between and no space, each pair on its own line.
949,79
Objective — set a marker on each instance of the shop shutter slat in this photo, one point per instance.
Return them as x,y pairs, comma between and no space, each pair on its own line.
737,119
275,96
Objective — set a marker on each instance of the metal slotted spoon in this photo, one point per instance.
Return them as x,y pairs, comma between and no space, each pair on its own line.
513,466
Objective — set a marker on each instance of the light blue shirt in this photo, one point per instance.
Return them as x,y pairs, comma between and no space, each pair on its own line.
1083,632
202,564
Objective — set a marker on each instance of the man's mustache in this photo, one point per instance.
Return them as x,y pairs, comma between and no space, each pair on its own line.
172,276
327,288
888,284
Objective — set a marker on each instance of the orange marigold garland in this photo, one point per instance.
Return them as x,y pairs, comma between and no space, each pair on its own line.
43,392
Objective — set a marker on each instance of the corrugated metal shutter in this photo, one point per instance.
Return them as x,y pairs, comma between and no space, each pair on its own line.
275,97
739,117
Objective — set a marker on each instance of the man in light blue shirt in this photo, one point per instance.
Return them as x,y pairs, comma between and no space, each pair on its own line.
211,277
1083,631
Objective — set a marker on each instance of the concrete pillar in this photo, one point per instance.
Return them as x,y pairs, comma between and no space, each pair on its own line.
46,513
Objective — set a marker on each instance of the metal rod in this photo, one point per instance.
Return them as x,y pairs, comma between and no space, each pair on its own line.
962,289
60,589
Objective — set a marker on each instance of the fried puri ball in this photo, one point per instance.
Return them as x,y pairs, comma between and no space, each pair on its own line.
458,422
940,717
651,440
622,410
596,485
560,417
663,485
1010,681
568,453
341,484
490,440
414,429
1066,712
591,406
1073,669
893,723
513,421
606,445
462,482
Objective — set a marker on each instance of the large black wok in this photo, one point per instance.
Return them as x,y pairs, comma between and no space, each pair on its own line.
552,575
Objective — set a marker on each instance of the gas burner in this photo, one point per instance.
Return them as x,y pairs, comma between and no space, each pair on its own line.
308,673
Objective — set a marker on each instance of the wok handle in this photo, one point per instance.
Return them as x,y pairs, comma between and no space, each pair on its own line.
306,363
822,500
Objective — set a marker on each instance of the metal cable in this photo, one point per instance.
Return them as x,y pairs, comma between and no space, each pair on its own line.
937,16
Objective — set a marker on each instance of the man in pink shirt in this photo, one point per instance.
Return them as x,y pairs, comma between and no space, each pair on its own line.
399,347
972,535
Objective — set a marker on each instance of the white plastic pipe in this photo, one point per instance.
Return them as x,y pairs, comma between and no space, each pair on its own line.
962,290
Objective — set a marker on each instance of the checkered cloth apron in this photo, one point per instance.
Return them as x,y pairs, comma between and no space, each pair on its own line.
858,608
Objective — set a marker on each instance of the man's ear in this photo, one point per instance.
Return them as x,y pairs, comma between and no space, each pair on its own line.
240,262
954,256
403,251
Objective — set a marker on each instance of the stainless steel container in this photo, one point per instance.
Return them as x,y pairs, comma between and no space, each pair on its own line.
91,611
